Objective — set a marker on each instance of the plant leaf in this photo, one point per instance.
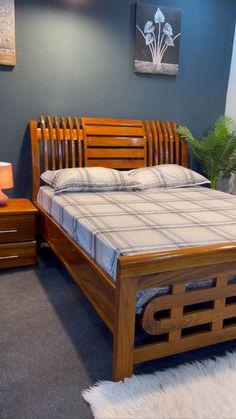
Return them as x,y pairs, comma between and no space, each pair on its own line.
149,27
169,41
159,17
149,38
217,150
167,30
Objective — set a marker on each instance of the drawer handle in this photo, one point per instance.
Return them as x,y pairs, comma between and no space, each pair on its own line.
8,231
9,257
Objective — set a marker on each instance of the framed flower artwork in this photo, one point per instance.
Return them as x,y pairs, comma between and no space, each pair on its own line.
157,39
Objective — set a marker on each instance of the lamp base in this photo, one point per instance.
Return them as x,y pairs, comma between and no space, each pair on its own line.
3,199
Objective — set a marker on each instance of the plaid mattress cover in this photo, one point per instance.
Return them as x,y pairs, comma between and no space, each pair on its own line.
110,224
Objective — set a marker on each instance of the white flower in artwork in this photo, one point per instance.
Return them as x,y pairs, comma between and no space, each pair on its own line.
159,17
149,27
158,38
149,38
167,30
169,41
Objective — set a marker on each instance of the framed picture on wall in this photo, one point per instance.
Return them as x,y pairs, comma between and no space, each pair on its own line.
157,39
7,33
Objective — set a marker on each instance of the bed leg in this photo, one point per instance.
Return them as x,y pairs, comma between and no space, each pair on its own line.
124,330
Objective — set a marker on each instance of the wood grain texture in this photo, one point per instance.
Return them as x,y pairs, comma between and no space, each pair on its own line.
16,229
17,234
127,144
35,152
146,265
92,279
147,128
168,147
56,143
173,307
45,137
63,142
14,255
18,206
152,351
124,328
52,143
117,144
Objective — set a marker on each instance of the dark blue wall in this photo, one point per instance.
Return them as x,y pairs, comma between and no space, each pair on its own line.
78,60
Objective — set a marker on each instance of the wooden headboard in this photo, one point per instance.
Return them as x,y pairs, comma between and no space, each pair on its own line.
64,142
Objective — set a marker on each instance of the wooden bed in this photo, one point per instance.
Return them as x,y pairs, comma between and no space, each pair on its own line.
172,323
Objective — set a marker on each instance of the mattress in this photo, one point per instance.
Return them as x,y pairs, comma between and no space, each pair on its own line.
110,224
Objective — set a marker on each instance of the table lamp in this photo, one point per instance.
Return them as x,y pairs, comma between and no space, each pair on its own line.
6,181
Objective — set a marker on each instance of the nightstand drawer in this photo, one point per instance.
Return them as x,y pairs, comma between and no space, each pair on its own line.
17,254
15,228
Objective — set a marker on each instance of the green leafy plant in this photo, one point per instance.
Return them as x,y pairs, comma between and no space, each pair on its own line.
216,152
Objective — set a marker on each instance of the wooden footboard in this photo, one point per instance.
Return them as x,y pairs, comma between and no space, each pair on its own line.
182,320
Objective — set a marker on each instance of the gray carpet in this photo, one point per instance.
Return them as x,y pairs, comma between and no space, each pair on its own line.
53,345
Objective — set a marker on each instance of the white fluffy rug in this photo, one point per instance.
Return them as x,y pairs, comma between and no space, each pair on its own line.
201,390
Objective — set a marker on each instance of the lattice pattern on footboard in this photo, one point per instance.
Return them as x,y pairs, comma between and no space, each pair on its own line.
186,319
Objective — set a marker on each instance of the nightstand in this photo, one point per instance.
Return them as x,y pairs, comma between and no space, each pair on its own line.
17,234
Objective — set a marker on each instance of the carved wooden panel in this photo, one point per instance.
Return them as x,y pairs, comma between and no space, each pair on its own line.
186,319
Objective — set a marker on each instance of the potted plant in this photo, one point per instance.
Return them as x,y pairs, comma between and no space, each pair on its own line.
216,152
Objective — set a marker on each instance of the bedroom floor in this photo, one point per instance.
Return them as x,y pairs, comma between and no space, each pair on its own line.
53,345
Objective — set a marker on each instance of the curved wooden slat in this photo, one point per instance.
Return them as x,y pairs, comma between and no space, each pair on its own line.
176,142
35,151
171,142
72,143
149,142
45,141
65,141
79,137
58,140
155,143
113,122
166,142
52,142
184,153
160,142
